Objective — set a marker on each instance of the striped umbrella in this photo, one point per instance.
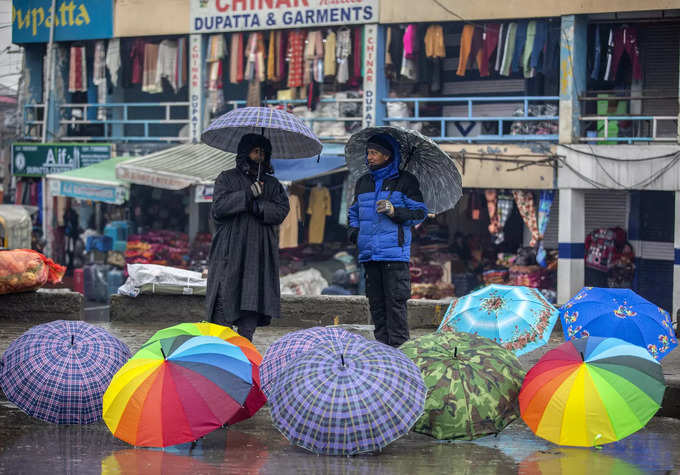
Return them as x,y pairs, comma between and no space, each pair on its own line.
347,398
289,136
256,399
619,313
591,391
440,180
58,371
294,344
519,319
176,390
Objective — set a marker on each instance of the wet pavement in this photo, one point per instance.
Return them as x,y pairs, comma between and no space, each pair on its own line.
255,446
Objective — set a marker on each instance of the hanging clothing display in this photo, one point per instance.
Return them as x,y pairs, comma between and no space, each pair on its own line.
527,209
319,207
150,68
489,43
434,42
505,204
77,77
236,58
167,64
625,39
544,206
492,207
509,52
271,57
254,56
342,52
357,55
113,59
313,55
528,49
182,65
288,232
281,55
99,77
470,48
329,54
408,64
500,48
137,59
296,49
539,47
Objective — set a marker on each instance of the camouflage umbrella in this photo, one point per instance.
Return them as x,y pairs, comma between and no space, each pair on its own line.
472,385
440,181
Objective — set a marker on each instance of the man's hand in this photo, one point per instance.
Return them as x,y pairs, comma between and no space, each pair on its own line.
256,189
385,207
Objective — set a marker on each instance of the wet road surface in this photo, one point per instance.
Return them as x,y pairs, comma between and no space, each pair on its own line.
255,446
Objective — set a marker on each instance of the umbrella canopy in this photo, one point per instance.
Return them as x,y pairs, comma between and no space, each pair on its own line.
591,391
472,385
256,399
289,136
176,390
440,181
518,318
619,313
294,344
347,398
58,371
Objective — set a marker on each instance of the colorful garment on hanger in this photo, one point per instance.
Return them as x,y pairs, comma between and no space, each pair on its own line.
281,55
357,55
408,63
500,48
492,208
167,64
215,78
150,73
528,49
313,56
288,232
544,206
434,42
489,43
254,56
271,57
329,54
236,58
342,52
505,205
527,209
319,207
217,48
520,40
539,47
137,59
410,41
509,52
626,39
113,59
470,47
77,77
99,77
181,70
296,48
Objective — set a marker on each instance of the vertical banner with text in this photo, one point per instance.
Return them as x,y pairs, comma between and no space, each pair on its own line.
195,88
370,67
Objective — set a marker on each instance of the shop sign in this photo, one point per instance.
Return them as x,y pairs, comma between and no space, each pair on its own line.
91,191
73,20
208,16
204,193
195,87
370,81
31,159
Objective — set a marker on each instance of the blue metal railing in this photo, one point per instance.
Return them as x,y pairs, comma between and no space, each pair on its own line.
311,121
502,123
121,122
651,123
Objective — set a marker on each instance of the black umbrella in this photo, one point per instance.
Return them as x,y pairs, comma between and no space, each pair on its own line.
440,181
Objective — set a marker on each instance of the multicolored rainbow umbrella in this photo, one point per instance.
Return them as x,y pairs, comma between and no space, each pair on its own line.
619,313
176,390
591,391
256,399
520,319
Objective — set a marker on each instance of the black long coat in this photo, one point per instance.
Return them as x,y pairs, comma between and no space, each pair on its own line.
244,255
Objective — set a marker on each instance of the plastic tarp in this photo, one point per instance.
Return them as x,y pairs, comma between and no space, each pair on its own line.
155,279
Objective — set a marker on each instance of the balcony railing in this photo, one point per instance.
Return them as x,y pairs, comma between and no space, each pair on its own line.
34,121
480,119
614,122
117,122
329,122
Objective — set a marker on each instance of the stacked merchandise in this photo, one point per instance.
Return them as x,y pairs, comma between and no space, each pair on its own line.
536,127
200,252
495,276
165,248
326,258
430,269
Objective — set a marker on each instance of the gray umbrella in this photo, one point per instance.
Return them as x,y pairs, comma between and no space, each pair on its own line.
440,181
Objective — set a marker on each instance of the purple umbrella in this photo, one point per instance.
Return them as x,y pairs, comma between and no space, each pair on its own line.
59,371
347,398
289,136
294,344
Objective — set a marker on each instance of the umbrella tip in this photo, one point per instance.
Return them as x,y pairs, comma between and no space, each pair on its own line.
72,338
455,352
342,359
163,353
581,353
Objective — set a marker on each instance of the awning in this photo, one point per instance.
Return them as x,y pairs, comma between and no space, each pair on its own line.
332,160
177,167
96,182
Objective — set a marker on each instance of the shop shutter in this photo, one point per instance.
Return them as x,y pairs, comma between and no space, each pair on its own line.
606,209
659,49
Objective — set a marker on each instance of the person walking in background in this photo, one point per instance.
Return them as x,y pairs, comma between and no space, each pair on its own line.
387,203
243,274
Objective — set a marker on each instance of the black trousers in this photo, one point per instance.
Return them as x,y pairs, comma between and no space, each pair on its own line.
388,287
245,323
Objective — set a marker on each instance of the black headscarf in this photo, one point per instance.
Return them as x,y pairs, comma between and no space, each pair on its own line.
245,146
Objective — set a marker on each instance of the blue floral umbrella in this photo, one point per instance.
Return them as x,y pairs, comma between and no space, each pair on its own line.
619,313
518,318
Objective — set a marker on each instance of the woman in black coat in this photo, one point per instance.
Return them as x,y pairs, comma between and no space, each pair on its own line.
243,275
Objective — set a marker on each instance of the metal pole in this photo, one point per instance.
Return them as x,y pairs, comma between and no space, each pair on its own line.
50,73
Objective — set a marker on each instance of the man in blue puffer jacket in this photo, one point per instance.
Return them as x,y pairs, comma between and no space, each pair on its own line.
387,203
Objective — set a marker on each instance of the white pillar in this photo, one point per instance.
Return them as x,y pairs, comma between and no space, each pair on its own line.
194,215
676,267
572,235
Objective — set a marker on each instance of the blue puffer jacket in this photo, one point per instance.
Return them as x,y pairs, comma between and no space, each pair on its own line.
379,237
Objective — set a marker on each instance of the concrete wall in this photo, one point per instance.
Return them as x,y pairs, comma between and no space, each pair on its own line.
297,311
398,11
42,306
